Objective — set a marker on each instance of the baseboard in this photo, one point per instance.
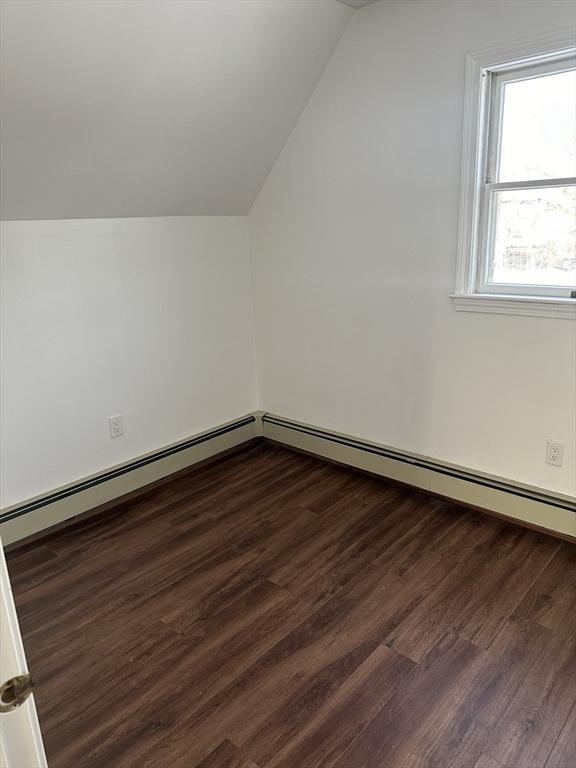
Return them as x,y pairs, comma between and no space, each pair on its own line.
524,504
27,518
555,513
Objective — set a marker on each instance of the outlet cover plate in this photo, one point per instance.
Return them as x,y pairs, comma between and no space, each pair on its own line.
554,453
116,426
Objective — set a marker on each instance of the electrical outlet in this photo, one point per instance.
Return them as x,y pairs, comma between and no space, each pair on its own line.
116,426
554,453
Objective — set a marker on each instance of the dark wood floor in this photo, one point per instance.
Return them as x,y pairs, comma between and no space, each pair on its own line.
273,611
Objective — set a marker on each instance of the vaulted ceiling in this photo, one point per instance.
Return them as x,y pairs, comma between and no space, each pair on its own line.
114,108
358,3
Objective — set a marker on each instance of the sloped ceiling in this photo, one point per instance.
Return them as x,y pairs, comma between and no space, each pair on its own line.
114,108
358,3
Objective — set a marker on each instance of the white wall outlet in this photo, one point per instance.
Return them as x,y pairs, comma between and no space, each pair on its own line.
554,453
116,426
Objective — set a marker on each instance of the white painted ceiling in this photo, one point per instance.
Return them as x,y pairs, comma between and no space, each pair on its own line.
358,3
115,108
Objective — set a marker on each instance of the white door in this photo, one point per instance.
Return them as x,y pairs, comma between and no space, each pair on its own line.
20,738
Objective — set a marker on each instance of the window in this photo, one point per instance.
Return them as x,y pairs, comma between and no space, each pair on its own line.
517,250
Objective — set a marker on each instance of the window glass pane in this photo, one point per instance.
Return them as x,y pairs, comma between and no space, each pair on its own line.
539,128
535,237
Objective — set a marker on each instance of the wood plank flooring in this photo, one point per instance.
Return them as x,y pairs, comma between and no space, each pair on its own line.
274,611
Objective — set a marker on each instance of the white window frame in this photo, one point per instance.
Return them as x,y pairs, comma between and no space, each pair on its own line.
486,72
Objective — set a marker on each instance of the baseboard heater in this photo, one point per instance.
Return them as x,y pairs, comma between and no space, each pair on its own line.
553,513
525,504
42,512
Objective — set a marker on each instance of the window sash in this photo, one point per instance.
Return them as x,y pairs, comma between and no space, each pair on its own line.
496,82
493,94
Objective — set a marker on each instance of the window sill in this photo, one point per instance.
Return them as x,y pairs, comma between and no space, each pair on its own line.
535,306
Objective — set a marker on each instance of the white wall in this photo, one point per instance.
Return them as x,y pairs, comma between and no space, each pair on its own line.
150,318
354,249
354,246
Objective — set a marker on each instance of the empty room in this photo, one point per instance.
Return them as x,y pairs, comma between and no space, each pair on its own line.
288,384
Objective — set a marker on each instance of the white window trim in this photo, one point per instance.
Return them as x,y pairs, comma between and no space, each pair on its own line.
531,50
